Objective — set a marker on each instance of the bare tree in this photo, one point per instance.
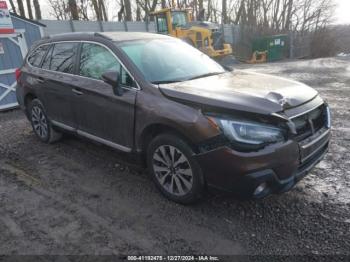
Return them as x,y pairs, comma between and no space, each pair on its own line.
13,7
83,9
103,8
279,15
163,4
127,10
138,13
60,9
97,9
148,6
208,9
37,9
21,8
224,12
121,12
200,5
72,5
100,10
267,16
289,15
29,9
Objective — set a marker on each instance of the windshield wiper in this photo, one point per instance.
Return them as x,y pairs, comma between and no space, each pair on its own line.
165,82
192,78
205,75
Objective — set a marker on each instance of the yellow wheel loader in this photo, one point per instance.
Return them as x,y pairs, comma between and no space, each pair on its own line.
206,36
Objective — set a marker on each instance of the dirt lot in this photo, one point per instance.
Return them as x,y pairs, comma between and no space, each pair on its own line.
76,197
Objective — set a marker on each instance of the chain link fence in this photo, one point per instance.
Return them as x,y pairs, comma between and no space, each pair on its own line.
300,45
66,26
240,37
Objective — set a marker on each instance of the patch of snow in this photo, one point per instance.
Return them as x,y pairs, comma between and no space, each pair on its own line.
343,55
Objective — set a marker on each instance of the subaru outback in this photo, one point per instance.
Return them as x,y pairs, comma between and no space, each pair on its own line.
196,124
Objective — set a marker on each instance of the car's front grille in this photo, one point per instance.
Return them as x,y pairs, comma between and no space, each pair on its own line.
313,132
305,166
308,124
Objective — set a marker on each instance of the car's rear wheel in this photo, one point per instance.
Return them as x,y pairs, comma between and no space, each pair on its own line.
174,170
41,124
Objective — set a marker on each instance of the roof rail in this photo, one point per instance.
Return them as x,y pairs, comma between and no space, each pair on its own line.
68,34
102,35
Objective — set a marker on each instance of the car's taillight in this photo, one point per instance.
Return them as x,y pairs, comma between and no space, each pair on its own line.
18,73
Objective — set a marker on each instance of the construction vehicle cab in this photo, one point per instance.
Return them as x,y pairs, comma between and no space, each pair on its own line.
206,36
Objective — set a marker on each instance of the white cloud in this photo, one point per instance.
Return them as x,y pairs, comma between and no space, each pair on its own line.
342,12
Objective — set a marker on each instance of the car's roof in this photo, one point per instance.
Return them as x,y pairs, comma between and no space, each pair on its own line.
127,36
114,36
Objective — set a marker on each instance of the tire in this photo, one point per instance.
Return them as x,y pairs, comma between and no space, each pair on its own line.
173,169
41,124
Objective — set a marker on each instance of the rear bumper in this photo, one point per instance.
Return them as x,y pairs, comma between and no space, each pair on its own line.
278,168
20,96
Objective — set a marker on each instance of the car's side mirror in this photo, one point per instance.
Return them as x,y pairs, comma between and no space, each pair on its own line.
112,78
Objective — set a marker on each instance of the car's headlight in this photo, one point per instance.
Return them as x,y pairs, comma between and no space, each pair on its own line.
250,132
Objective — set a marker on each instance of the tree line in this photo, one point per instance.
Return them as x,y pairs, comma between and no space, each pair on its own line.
31,5
273,15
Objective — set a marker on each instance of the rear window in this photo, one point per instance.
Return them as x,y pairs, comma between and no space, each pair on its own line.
37,55
62,57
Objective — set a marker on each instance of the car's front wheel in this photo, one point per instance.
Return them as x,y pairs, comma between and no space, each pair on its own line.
174,170
41,124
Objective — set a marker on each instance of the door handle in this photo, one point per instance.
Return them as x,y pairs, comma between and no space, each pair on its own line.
77,92
40,80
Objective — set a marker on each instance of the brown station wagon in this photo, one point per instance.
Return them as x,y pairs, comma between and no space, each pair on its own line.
196,124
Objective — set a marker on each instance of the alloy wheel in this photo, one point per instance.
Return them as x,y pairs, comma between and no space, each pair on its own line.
39,121
172,170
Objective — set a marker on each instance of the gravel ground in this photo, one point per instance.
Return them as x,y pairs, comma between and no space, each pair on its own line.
77,197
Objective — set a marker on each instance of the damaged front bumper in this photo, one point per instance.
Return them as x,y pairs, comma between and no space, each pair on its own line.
274,169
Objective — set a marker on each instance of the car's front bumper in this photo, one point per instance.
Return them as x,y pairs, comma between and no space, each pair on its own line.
276,168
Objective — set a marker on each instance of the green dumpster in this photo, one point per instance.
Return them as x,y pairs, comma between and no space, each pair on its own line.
276,45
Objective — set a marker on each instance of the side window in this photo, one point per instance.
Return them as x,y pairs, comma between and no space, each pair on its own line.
125,78
179,19
162,24
96,60
63,57
47,60
37,55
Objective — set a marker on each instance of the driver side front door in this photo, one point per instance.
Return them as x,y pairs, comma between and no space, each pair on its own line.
102,115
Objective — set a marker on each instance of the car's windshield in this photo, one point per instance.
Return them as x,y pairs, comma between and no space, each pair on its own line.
169,60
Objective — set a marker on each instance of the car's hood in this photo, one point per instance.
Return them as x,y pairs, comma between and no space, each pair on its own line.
242,90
